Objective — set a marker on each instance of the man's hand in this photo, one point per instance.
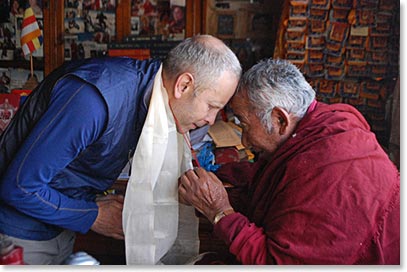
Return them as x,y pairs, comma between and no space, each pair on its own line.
109,219
204,191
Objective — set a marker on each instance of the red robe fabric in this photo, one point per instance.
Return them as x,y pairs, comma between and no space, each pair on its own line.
329,195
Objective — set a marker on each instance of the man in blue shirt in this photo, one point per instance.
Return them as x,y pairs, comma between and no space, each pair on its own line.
73,136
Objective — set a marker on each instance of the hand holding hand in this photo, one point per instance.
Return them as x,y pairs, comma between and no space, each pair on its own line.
204,191
109,219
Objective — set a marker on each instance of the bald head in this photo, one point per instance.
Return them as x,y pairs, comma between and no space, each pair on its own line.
205,57
210,41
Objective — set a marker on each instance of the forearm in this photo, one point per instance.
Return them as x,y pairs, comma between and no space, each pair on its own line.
48,205
245,240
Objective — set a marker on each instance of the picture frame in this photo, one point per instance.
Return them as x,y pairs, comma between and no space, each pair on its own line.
225,25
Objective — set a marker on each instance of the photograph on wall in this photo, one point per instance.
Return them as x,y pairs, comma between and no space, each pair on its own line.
135,25
5,80
7,41
144,8
177,19
72,22
71,42
105,5
87,49
225,24
145,17
165,18
93,23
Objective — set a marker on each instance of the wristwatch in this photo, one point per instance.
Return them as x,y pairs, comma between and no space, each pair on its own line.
222,214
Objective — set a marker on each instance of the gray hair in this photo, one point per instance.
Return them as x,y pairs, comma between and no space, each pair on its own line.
205,57
276,83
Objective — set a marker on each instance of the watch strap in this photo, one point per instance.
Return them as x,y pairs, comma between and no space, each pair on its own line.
222,214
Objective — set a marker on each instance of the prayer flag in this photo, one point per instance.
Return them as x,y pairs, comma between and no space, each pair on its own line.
31,35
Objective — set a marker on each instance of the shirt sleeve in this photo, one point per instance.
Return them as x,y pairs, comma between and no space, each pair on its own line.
245,240
75,119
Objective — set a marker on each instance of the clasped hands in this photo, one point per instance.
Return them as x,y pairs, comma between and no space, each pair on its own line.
197,187
204,191
109,219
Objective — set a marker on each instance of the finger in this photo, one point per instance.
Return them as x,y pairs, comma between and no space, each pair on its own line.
185,181
181,189
113,198
191,174
201,172
182,200
119,198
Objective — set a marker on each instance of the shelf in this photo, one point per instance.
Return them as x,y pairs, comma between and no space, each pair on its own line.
23,64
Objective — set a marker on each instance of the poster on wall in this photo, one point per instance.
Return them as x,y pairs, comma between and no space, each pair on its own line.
177,19
149,18
89,26
158,18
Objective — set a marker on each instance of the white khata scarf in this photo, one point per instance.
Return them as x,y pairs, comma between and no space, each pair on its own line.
151,210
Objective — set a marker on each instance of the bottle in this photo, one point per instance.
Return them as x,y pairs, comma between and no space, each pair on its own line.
10,254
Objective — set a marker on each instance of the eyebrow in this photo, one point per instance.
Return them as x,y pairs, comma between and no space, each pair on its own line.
216,104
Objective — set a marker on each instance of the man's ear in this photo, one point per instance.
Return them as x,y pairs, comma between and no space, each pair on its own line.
183,84
282,120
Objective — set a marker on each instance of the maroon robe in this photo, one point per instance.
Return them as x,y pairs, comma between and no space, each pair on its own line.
328,195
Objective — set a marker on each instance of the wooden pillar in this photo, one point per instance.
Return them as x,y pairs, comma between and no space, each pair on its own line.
53,16
123,17
194,15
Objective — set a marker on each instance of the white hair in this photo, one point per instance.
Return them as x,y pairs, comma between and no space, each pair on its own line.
276,83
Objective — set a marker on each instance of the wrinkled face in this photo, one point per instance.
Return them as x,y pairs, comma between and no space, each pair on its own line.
194,111
254,135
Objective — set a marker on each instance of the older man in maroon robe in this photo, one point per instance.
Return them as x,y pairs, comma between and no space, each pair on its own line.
323,191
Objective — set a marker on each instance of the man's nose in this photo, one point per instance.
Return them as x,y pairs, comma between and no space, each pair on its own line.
211,117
